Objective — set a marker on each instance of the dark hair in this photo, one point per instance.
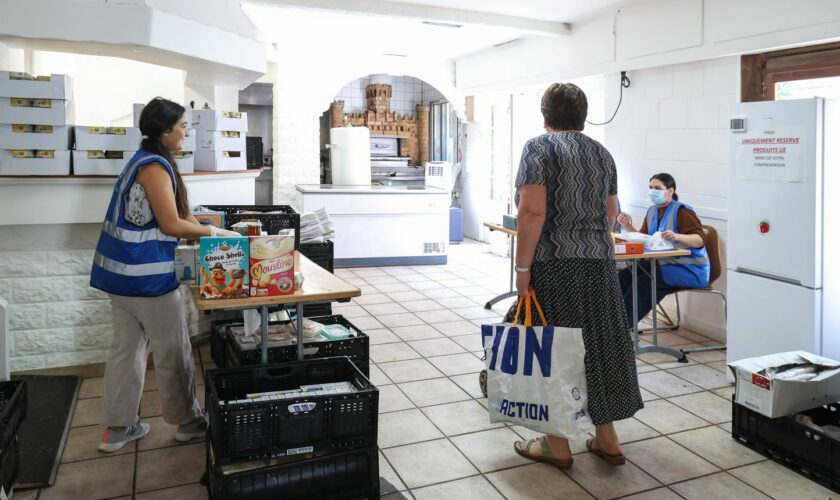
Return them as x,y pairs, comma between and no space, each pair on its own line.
158,117
564,107
669,182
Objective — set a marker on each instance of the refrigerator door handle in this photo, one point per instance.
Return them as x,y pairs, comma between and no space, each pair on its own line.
774,277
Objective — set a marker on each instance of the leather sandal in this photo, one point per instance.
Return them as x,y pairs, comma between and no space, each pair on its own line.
547,457
611,459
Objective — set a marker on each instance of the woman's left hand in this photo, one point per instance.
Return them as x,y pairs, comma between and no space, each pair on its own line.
671,236
523,283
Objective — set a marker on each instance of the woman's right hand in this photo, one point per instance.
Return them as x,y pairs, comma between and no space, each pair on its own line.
624,220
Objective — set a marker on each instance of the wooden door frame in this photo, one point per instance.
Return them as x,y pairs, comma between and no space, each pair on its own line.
761,72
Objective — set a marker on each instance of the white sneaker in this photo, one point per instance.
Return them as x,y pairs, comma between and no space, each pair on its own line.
113,440
195,429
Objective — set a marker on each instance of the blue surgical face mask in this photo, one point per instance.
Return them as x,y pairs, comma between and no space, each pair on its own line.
656,196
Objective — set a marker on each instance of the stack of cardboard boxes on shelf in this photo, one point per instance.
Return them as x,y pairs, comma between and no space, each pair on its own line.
220,137
35,114
185,158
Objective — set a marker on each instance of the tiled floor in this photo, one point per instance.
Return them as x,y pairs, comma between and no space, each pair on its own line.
434,434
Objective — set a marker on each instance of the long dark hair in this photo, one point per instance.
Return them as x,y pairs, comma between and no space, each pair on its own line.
158,117
669,182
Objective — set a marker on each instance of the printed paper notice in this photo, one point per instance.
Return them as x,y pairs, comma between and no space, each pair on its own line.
771,155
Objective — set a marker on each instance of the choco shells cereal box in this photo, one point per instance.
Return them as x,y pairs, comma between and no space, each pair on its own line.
272,265
223,267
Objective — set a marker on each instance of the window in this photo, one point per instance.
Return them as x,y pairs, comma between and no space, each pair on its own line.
815,87
791,73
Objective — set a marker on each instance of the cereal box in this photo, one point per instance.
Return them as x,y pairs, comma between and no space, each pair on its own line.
223,264
272,265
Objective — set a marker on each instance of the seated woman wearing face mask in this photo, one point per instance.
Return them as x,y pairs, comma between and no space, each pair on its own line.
678,224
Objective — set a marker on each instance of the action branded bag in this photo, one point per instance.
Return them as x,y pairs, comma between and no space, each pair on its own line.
536,376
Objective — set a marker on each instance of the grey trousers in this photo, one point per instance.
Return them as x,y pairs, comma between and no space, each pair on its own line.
141,324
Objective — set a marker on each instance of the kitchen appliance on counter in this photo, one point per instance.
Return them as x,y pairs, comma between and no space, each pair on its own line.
388,168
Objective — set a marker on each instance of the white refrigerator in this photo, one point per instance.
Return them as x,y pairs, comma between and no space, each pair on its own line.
783,256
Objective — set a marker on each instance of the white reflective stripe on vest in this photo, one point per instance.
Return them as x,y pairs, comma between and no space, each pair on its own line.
131,236
150,269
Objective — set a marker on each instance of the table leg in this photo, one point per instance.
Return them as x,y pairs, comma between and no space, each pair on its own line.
681,357
634,273
264,335
300,331
653,301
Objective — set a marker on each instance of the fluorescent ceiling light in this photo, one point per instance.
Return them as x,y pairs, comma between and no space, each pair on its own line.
442,24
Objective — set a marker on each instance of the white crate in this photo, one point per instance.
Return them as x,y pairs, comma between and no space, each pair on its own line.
138,108
186,165
86,141
60,165
211,119
60,138
216,161
212,140
61,113
82,165
58,87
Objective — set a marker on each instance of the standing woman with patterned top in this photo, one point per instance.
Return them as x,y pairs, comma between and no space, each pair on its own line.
566,195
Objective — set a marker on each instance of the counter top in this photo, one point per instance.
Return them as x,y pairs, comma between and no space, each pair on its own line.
329,188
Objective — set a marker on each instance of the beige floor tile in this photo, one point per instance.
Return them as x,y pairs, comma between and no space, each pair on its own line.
707,356
98,478
470,342
366,323
391,398
576,445
655,357
391,288
427,463
667,461
642,367
436,347
778,481
536,482
381,336
389,481
630,430
469,383
416,332
424,285
150,405
410,370
455,328
475,313
717,446
433,392
30,494
702,375
673,363
81,445
405,427
726,392
666,385
720,486
395,320
727,427
372,298
490,450
350,311
440,293
88,412
92,388
460,418
193,491
666,417
422,304
413,278
168,467
456,302
719,366
377,376
607,481
161,435
471,488
386,308
381,280
647,395
396,351
657,494
439,316
458,364
706,405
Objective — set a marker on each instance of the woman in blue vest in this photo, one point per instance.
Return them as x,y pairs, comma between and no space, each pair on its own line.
135,264
678,224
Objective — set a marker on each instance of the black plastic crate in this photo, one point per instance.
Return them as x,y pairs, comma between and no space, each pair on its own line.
272,223
244,430
218,340
9,464
12,410
312,310
348,475
322,254
356,348
807,451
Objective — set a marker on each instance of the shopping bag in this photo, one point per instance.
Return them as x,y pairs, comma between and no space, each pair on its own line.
536,376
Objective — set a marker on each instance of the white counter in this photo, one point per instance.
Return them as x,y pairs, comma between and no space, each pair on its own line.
384,225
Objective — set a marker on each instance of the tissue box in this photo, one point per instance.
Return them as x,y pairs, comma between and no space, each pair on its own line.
220,140
107,138
59,164
220,161
186,263
223,267
45,87
211,119
84,165
775,397
35,136
58,112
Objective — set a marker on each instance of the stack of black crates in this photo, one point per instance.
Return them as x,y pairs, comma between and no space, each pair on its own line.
12,413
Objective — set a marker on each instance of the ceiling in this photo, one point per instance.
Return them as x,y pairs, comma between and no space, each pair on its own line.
566,11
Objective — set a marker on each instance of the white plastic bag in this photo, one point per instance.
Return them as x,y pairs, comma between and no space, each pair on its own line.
658,243
536,376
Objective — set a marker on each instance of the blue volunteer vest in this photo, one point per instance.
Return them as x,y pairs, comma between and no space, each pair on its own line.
131,260
690,271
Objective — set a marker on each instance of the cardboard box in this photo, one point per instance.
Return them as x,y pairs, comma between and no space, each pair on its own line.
213,218
57,87
58,165
103,139
60,113
82,165
212,140
211,119
186,165
59,138
186,263
189,141
138,108
272,265
220,161
223,267
774,397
